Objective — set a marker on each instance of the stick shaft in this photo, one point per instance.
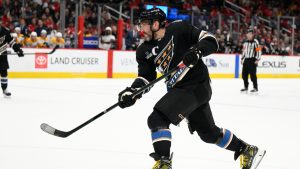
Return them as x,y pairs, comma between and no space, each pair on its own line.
60,133
117,104
52,51
94,118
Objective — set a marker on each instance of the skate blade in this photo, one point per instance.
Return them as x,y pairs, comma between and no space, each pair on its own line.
6,97
244,92
253,93
257,159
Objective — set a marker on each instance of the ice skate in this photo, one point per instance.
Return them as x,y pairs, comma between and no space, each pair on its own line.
244,90
6,94
162,162
254,91
250,157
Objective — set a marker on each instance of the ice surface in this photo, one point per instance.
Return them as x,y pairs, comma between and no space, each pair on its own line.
121,138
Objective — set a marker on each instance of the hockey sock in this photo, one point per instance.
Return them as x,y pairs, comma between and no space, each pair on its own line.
229,141
161,140
3,83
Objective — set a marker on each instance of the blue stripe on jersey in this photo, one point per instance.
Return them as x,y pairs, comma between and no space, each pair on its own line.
226,139
160,134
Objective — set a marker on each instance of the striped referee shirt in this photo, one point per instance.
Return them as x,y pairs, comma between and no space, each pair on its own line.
251,49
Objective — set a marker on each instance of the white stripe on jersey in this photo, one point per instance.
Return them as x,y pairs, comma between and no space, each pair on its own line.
205,34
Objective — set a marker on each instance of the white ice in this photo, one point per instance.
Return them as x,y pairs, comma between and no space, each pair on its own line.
121,138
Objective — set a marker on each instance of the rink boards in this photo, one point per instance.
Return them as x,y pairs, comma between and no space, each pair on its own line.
83,63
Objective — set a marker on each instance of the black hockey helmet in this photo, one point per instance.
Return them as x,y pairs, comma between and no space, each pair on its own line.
153,14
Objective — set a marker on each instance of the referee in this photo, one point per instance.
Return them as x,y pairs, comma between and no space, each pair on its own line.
250,57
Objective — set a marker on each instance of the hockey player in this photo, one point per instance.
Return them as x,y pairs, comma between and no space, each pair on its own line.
32,41
43,41
250,58
20,37
189,88
5,40
57,40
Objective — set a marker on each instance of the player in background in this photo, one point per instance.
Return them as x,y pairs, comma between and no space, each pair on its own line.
189,89
57,40
250,58
20,37
32,41
6,40
43,41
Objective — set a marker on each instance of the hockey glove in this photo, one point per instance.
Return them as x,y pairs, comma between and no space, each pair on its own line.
191,57
126,99
20,53
17,48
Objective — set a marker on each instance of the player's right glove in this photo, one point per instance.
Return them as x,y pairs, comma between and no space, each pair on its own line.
126,99
191,57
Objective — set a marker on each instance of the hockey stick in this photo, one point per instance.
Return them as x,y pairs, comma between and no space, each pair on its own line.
51,52
51,130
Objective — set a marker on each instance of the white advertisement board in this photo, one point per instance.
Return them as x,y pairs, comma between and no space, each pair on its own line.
62,63
279,65
220,64
124,64
62,60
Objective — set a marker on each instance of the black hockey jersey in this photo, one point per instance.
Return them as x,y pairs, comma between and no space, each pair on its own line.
166,53
5,39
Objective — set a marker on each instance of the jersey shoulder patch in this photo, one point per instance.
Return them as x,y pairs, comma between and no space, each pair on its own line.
142,52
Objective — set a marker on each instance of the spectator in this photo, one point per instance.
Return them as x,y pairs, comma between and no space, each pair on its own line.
106,17
132,38
264,47
40,27
23,26
228,42
107,40
31,27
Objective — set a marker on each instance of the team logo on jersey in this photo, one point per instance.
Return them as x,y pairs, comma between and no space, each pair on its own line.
163,59
154,50
2,39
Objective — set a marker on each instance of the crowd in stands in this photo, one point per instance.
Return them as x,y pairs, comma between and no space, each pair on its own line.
36,23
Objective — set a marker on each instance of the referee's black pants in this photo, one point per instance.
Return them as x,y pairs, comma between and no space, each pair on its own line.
249,67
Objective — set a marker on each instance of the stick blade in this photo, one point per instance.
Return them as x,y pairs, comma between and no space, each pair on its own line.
51,130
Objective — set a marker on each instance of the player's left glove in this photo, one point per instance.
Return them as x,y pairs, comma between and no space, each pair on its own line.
17,48
20,53
191,57
126,99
